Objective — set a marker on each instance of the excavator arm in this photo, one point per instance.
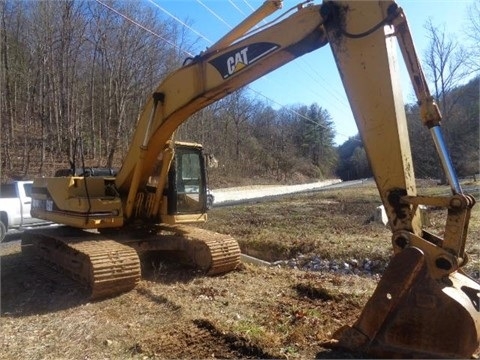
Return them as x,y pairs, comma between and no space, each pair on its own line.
424,305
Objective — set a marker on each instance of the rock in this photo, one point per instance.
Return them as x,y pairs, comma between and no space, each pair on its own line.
108,342
380,215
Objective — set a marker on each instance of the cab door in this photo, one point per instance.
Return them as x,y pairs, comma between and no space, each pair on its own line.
187,190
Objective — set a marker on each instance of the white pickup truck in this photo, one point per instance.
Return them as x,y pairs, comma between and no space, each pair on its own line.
15,203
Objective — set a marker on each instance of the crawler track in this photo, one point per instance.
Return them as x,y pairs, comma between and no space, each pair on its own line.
105,266
109,264
215,253
208,251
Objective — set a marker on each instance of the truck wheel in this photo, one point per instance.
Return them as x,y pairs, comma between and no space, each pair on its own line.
3,231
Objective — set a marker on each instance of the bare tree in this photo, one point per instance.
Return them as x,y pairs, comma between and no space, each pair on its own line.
445,60
473,34
447,66
6,109
129,63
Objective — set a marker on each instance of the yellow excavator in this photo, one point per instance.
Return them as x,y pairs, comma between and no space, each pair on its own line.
424,305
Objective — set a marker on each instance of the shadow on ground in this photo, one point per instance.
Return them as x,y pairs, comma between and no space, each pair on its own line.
29,287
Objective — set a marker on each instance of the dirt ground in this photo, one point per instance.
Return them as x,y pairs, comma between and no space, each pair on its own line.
178,313
253,312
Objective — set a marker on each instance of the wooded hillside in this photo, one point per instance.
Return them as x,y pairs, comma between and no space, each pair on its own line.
77,70
460,128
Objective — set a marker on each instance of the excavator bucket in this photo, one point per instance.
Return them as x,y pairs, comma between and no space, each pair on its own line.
412,315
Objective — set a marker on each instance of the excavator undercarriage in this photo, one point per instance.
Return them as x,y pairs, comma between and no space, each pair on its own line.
109,264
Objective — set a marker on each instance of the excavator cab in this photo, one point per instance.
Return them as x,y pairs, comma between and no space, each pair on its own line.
187,188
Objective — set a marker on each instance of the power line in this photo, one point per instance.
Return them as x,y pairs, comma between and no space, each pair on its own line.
250,6
143,27
181,22
236,7
215,14
330,90
292,111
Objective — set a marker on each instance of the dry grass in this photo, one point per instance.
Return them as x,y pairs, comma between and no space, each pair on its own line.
254,312
322,223
334,224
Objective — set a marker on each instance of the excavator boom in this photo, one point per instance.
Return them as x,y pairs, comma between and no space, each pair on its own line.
212,75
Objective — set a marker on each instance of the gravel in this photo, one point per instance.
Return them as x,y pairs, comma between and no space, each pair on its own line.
348,267
232,195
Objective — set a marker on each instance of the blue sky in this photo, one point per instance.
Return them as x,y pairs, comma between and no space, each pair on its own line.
312,78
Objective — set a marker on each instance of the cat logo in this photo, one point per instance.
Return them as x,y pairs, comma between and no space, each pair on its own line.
230,63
